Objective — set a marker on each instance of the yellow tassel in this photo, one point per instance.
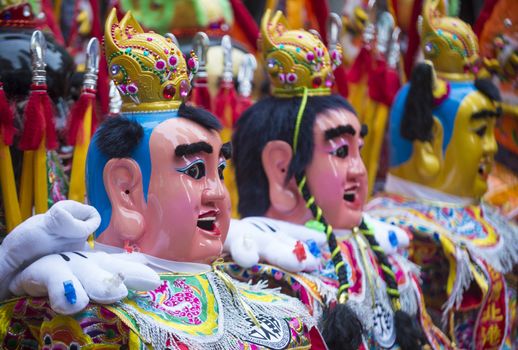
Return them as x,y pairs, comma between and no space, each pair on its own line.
77,178
13,215
27,185
358,93
41,193
91,241
366,152
294,13
378,133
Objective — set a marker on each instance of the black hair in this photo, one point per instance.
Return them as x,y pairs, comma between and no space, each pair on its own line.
273,119
417,122
490,90
199,116
118,135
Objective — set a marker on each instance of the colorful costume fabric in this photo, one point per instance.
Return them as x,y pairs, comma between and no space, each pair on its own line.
368,291
464,251
187,311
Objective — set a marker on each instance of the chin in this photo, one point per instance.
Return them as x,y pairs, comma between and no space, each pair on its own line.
349,220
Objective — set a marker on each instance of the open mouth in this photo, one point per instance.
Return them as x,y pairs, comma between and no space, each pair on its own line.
207,222
351,193
483,169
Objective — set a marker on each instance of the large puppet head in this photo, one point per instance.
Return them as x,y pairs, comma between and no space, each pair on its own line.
297,158
320,139
442,131
154,173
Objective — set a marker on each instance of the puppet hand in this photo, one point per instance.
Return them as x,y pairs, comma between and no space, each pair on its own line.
390,237
71,280
251,240
64,227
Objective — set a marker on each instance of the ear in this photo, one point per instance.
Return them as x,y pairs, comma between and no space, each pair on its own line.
276,158
123,183
429,153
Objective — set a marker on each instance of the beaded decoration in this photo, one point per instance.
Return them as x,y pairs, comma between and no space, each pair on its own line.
449,43
296,59
148,69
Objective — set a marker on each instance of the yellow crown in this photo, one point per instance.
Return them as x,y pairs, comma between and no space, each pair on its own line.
449,43
296,59
148,69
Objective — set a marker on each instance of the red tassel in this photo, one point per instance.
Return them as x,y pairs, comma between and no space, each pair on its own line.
341,81
39,120
226,97
361,65
321,11
484,15
413,38
375,81
392,85
243,103
7,129
201,95
245,20
47,9
77,114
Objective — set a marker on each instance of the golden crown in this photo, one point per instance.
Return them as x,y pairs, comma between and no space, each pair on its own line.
148,69
296,59
449,43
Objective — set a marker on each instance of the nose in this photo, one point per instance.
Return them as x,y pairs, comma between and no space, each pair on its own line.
489,144
214,191
356,167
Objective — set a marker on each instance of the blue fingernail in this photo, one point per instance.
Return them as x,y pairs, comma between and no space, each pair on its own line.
393,239
313,248
70,292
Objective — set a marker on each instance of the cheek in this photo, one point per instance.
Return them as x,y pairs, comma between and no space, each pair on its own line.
327,171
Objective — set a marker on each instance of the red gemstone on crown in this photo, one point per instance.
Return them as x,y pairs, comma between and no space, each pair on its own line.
169,91
317,81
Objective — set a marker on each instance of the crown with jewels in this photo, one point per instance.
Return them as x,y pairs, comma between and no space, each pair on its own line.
449,43
296,60
148,69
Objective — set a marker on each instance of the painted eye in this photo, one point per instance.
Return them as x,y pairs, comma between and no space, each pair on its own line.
481,131
196,169
221,168
341,152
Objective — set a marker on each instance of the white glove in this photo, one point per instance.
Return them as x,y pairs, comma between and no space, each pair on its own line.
72,279
391,238
64,227
257,239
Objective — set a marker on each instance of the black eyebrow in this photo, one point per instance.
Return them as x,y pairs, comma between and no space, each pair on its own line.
226,150
364,130
339,131
487,113
192,148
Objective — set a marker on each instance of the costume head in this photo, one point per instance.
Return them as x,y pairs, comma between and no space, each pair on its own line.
297,154
154,173
442,127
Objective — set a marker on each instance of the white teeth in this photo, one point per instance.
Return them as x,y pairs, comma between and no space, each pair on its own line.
208,218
